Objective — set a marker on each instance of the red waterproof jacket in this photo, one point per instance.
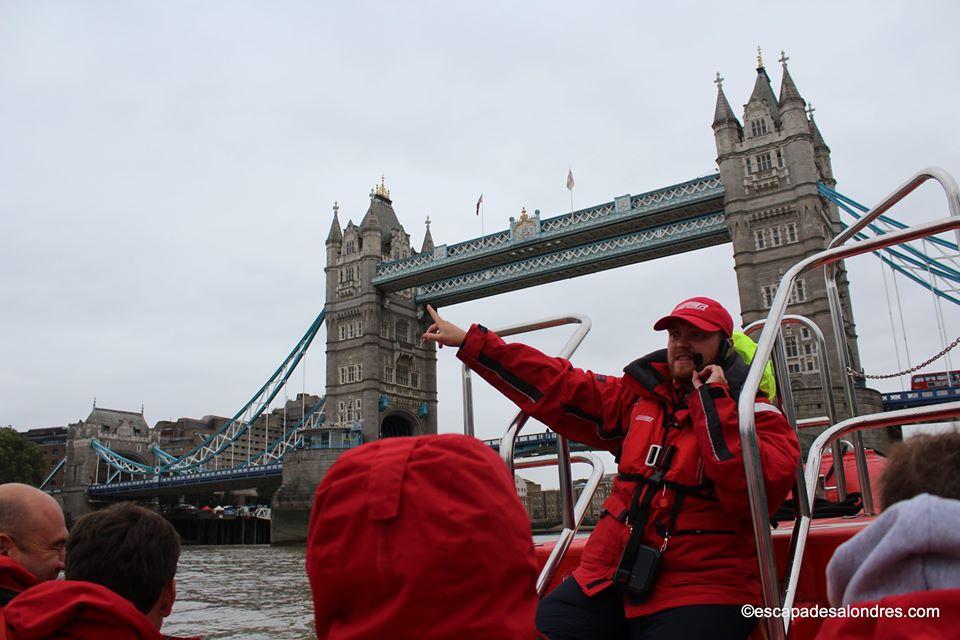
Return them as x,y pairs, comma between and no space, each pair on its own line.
421,538
710,557
73,610
14,579
901,623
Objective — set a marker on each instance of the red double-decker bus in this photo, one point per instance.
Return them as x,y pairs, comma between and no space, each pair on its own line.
935,380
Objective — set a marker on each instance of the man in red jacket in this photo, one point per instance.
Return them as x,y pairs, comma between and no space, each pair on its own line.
673,554
32,539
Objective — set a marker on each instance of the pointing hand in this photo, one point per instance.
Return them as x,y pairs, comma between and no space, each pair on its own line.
443,332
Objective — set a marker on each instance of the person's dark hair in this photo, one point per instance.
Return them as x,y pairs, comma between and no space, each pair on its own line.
923,464
126,548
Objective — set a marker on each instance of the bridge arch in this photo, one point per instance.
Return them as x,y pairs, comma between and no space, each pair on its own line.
397,424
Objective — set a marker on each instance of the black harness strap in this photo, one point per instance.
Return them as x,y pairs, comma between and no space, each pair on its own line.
702,490
640,512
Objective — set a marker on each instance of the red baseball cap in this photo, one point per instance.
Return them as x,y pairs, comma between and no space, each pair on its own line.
704,313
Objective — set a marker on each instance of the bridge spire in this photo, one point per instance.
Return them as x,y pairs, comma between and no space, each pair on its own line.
788,90
427,246
336,235
762,96
723,114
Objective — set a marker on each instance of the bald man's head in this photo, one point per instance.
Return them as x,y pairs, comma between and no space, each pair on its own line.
32,530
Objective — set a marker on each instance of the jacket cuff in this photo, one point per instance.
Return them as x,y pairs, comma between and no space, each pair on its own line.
472,344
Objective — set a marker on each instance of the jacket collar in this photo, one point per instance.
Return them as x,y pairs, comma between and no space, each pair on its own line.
652,374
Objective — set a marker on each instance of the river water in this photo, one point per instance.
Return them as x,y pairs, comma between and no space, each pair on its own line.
242,592
245,592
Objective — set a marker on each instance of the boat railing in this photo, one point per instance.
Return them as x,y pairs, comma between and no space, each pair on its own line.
828,258
579,510
508,443
831,436
786,393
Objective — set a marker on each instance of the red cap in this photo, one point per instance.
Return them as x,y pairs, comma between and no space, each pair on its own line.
704,313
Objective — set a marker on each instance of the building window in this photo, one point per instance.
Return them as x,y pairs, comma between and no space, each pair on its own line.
776,238
810,364
388,373
415,379
350,247
759,238
779,158
804,333
385,329
758,127
768,291
763,162
350,373
799,293
403,376
791,347
791,231
341,412
402,331
794,367
749,166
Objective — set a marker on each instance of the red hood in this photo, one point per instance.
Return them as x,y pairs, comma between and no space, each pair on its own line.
421,538
66,609
14,577
870,626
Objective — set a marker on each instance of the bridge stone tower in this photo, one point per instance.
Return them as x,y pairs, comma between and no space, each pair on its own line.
125,432
770,166
380,378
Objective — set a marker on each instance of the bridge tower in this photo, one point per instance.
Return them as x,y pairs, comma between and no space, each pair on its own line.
380,378
770,166
125,432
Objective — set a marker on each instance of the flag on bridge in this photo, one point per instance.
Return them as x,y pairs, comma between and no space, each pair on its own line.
570,182
479,202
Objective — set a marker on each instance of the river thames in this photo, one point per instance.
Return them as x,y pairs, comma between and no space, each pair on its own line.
246,592
242,592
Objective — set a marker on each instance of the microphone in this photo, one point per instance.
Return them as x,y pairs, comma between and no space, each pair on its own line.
698,361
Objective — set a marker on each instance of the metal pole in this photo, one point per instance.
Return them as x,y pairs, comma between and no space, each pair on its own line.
846,365
467,401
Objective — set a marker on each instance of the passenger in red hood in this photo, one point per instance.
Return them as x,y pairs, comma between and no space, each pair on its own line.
421,538
69,610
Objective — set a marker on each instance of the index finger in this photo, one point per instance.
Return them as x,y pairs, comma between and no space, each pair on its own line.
433,313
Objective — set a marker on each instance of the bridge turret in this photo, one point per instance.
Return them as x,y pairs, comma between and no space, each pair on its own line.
727,130
791,104
427,246
761,111
821,152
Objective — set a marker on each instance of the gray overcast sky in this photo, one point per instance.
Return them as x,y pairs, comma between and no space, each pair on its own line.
167,169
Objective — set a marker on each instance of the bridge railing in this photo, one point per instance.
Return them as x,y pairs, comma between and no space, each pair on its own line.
828,258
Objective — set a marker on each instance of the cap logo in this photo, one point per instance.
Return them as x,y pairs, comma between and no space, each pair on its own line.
696,306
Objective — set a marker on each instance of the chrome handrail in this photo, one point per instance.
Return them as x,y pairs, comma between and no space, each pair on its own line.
508,443
756,490
826,383
580,510
832,436
952,193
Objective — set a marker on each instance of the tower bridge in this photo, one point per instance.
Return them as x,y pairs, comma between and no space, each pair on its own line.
769,199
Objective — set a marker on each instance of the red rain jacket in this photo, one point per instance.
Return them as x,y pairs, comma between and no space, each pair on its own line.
73,610
421,538
710,559
14,579
944,624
